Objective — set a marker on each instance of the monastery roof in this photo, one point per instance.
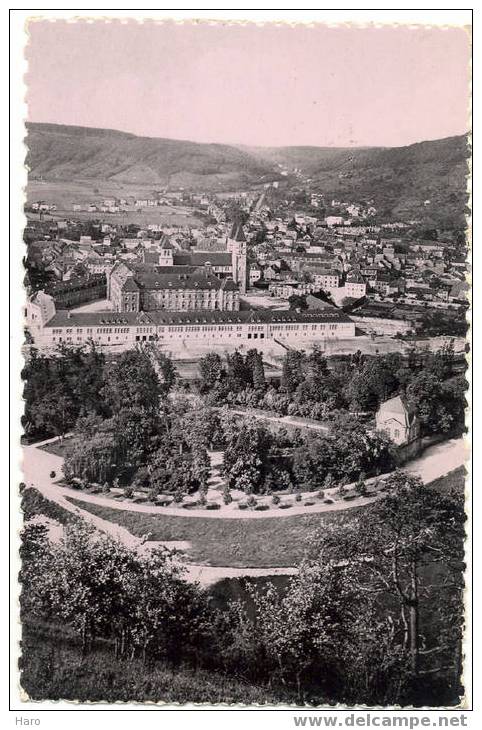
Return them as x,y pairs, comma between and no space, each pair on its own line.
176,280
199,258
66,318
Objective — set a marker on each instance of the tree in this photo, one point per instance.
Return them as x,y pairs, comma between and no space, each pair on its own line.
406,548
238,371
211,370
101,588
292,373
342,454
374,382
299,634
298,302
227,498
441,362
246,457
132,382
254,363
425,393
58,388
94,458
201,428
167,371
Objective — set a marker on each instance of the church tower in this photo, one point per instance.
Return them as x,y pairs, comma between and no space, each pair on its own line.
236,244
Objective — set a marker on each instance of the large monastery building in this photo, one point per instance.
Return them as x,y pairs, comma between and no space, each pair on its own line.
136,288
183,329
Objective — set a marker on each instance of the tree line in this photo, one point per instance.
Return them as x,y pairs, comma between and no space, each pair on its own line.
312,386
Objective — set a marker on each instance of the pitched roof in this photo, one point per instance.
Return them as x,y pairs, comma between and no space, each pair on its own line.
166,244
398,406
355,278
130,285
237,232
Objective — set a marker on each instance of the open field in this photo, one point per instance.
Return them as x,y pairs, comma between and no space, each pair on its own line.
65,194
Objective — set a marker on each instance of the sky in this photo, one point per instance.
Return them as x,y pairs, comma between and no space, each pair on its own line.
266,85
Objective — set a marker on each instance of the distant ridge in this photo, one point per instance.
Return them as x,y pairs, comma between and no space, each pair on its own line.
398,179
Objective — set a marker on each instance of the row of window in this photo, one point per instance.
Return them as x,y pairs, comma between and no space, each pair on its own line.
182,328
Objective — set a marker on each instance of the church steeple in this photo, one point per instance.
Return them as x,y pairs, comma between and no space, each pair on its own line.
237,232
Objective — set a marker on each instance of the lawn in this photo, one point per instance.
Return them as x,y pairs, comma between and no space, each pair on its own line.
57,448
260,543
238,543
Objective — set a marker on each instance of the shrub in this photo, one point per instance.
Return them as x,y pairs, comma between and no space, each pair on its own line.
321,494
128,492
106,488
298,498
276,499
163,502
178,497
329,481
52,474
213,505
360,486
252,501
261,507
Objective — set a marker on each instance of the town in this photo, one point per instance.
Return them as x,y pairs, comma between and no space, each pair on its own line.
361,284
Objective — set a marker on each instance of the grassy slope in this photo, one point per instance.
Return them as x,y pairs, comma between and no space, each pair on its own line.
58,152
33,503
261,543
52,668
399,179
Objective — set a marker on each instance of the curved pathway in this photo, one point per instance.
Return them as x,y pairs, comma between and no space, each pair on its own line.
435,462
